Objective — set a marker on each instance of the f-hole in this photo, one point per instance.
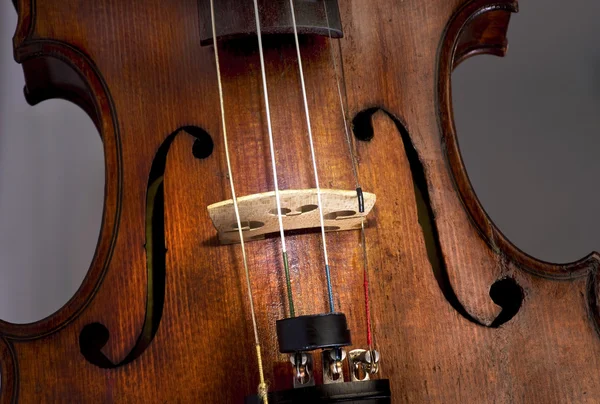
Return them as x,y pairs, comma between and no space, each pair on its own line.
506,293
94,336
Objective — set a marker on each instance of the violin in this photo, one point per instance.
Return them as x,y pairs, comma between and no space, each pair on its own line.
287,217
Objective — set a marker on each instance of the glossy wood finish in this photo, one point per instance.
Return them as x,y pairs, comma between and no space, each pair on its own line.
438,264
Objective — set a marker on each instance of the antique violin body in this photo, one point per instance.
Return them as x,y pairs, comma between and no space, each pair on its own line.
287,216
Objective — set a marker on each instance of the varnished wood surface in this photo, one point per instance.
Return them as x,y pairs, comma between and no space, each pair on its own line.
138,68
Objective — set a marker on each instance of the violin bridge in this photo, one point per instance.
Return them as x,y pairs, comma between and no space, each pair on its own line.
299,209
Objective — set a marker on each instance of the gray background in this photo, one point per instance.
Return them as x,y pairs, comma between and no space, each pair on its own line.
528,127
51,193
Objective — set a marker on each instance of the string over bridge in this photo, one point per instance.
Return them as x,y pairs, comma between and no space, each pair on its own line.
299,211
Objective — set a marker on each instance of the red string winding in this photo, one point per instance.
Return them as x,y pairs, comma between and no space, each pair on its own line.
368,311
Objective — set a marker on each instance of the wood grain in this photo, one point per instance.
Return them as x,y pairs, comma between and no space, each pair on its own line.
139,70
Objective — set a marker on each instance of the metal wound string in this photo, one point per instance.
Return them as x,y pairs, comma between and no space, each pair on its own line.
314,160
358,187
262,388
273,164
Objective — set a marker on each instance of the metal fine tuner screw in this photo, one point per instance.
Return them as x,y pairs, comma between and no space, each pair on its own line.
333,365
363,363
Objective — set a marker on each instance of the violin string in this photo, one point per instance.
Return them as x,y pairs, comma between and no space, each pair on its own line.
366,285
358,186
273,163
314,160
339,91
262,388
